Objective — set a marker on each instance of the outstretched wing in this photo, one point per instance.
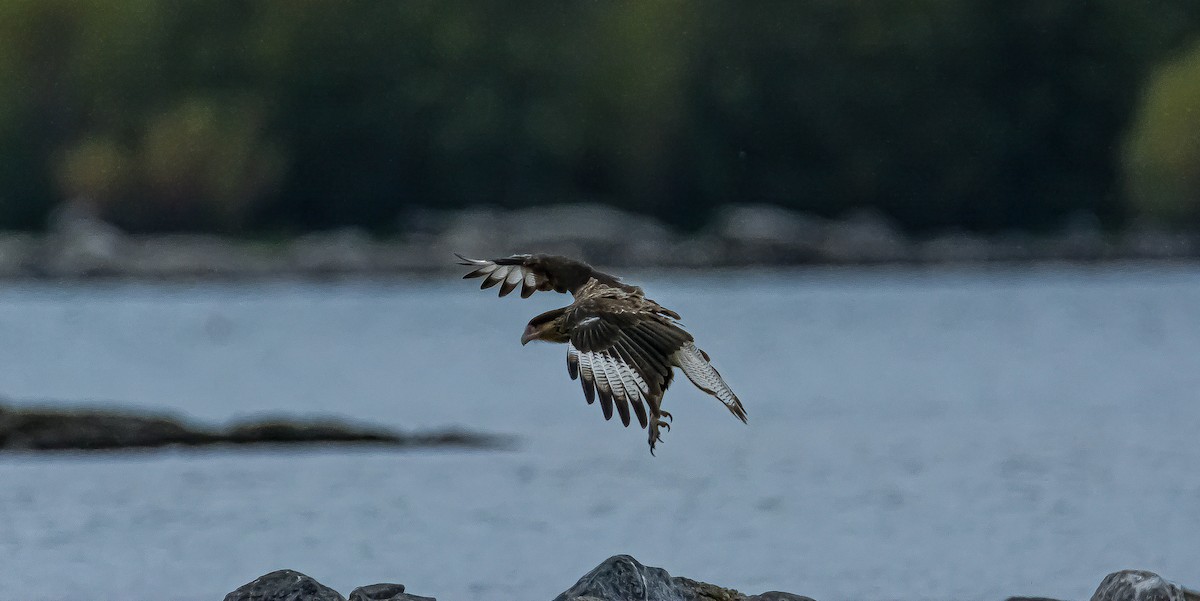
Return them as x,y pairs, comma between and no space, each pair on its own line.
509,272
536,272
622,353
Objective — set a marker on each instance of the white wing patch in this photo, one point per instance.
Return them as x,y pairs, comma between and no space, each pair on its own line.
614,381
508,276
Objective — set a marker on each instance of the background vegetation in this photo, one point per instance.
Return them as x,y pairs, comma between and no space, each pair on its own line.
287,115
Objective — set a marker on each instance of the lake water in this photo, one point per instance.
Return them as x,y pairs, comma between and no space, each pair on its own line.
941,435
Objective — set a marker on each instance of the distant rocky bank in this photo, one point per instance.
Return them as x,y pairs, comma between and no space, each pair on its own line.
78,245
79,429
623,578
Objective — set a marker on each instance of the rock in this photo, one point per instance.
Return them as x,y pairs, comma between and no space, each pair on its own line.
769,235
81,244
284,585
92,430
865,237
384,592
279,430
956,247
479,231
778,596
623,578
200,256
1081,239
1137,585
18,254
1151,241
346,250
606,235
33,429
602,234
1013,246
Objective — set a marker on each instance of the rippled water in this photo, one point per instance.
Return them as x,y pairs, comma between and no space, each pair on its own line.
913,435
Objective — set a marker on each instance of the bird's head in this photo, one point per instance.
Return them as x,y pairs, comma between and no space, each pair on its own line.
549,326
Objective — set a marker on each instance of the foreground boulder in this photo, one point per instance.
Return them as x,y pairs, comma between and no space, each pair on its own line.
621,578
284,585
35,429
618,578
384,592
289,585
1138,585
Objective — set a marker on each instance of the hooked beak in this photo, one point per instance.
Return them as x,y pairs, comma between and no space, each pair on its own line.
530,334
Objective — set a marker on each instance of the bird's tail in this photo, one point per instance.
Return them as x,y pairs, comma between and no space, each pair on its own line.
695,365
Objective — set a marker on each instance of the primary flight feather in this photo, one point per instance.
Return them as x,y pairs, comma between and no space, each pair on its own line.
621,346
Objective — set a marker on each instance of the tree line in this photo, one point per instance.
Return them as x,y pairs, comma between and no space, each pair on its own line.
285,116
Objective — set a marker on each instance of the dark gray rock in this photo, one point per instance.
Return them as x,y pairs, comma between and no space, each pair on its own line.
1137,585
956,247
1151,241
778,596
347,250
623,578
384,592
168,256
865,236
601,234
79,243
92,430
767,235
18,254
618,578
284,585
1081,239
377,592
381,592
281,430
44,429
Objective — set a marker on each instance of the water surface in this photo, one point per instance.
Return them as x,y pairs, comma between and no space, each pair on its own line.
913,435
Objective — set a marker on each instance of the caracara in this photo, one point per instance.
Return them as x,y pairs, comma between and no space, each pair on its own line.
621,345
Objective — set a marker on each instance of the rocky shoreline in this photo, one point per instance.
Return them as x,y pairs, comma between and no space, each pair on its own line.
79,429
623,578
77,245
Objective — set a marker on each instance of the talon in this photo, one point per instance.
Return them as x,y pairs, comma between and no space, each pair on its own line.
665,425
662,413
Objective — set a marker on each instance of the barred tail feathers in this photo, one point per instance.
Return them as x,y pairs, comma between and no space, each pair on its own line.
695,365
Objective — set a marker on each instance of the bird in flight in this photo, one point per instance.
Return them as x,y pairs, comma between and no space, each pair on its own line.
622,346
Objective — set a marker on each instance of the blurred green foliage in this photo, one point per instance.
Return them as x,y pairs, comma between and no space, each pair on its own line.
1162,153
299,114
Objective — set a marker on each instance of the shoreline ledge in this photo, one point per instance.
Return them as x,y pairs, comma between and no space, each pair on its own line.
78,245
623,578
34,429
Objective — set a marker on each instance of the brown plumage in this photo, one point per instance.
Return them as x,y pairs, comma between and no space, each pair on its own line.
621,345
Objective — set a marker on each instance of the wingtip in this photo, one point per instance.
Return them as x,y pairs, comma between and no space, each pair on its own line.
738,410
